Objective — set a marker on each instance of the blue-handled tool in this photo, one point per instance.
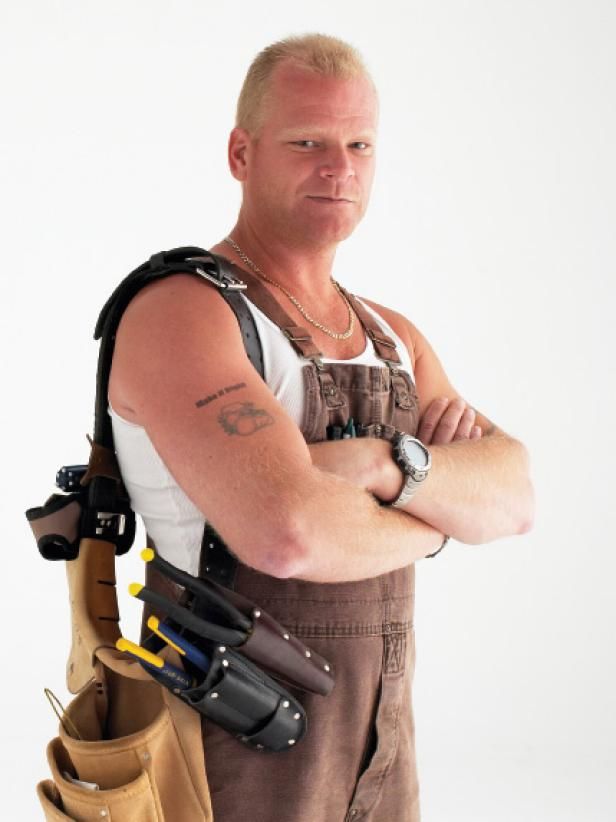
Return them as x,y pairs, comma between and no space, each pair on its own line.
175,676
179,643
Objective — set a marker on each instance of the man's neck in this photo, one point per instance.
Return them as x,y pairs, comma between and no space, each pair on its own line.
300,270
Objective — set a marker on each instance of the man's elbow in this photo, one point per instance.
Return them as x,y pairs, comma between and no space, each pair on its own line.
515,517
527,514
282,556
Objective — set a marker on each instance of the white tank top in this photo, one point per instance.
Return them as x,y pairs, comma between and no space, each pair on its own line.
170,518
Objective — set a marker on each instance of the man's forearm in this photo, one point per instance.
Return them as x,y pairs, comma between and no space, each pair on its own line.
476,491
344,535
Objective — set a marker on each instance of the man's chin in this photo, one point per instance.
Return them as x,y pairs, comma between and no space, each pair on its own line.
326,233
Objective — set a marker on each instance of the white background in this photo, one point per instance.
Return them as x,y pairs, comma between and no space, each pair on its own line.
491,227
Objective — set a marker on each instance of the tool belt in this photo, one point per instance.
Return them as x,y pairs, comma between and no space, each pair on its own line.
251,660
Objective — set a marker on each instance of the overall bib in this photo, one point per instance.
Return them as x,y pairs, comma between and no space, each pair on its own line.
357,760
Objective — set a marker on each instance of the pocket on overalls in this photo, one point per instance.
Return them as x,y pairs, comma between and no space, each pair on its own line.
382,744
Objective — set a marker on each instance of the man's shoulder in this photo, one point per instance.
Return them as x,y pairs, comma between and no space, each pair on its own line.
166,326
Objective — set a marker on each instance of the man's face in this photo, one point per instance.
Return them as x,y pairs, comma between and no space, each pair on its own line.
309,173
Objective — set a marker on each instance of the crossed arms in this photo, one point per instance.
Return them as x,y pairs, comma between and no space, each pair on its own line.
286,508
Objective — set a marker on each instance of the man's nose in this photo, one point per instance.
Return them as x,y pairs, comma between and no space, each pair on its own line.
337,165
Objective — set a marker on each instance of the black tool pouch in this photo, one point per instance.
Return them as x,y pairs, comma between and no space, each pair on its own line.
244,690
241,698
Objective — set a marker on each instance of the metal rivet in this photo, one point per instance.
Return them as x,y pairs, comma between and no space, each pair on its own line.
286,636
256,614
222,649
207,568
296,716
326,667
308,654
211,544
286,703
214,695
291,742
225,663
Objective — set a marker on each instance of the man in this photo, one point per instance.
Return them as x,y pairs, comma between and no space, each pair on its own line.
303,516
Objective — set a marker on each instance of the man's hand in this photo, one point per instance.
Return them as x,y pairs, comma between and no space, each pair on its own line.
357,460
446,420
367,462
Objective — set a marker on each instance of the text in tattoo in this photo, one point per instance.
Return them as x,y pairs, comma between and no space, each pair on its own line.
220,393
243,418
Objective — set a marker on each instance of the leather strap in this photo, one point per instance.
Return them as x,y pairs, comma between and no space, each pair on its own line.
384,346
299,337
216,562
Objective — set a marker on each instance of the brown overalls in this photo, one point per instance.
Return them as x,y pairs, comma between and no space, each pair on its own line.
357,760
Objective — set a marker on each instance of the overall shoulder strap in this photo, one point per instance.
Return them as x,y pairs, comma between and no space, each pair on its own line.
299,337
384,346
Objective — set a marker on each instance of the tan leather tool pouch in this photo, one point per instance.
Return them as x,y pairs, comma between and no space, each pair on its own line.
137,745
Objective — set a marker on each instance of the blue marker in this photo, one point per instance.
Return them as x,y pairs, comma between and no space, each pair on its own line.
178,643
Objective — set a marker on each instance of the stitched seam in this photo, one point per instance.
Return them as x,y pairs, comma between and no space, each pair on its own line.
347,631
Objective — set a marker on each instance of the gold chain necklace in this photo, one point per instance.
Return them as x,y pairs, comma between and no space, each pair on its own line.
335,334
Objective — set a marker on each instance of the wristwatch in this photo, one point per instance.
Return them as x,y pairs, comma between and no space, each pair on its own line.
412,456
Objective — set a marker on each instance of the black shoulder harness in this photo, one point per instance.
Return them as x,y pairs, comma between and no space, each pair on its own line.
98,505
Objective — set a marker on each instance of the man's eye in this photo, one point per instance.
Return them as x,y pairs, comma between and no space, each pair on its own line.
306,143
361,144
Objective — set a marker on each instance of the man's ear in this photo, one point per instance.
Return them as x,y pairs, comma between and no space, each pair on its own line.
239,146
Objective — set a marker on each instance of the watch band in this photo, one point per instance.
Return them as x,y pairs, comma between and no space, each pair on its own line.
438,550
408,489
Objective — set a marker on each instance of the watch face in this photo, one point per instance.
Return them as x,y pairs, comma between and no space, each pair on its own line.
415,453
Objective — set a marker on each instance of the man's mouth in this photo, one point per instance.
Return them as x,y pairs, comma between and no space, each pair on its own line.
329,199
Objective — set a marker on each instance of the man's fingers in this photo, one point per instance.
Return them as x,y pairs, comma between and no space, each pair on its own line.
430,419
448,424
465,425
447,420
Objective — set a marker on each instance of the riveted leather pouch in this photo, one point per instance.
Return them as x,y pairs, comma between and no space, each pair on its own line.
245,701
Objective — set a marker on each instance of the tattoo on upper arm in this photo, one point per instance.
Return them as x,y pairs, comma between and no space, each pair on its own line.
220,393
243,418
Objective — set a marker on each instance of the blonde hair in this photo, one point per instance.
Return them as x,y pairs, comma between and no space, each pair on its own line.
319,53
